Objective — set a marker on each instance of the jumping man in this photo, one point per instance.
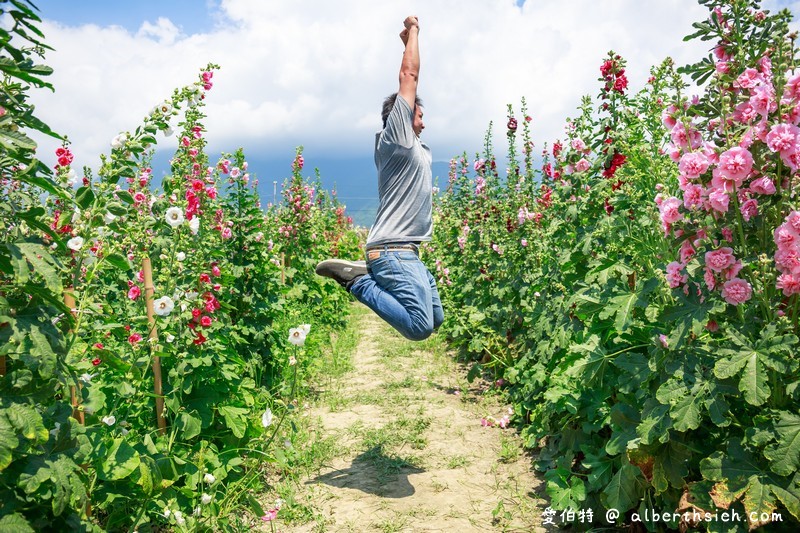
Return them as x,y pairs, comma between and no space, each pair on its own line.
394,282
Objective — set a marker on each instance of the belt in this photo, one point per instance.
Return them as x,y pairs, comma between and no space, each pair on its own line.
373,252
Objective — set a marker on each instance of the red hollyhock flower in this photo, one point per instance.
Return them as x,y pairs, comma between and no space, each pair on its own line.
96,361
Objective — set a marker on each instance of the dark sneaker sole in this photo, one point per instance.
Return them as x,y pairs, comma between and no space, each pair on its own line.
340,270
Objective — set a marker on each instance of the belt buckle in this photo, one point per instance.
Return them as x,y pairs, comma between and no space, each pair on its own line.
373,254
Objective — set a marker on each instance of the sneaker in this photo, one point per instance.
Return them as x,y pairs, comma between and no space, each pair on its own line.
341,271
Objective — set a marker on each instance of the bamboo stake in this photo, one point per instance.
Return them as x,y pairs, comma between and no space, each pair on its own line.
149,291
77,414
2,365
283,268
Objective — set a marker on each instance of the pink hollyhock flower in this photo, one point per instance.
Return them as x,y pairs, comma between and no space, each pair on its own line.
685,138
583,165
734,165
668,116
712,326
711,281
736,291
211,192
139,198
134,339
693,164
674,276
479,165
744,113
578,145
749,79
749,209
497,249
762,185
788,260
134,292
783,138
674,153
524,242
227,233
687,251
663,340
205,321
785,237
733,271
205,278
461,242
215,271
719,260
670,211
692,196
793,221
789,284
763,100
719,200
727,234
791,90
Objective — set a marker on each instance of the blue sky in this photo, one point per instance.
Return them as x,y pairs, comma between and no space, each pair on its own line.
313,72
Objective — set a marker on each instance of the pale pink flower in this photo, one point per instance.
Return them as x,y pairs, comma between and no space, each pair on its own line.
763,100
719,200
692,196
663,340
744,113
783,138
792,88
749,209
693,164
785,237
736,291
583,165
670,211
675,278
789,284
719,260
711,281
734,165
227,233
524,242
788,260
727,234
749,79
578,145
762,185
687,251
684,138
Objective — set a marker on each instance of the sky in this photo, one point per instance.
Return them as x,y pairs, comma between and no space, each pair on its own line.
314,72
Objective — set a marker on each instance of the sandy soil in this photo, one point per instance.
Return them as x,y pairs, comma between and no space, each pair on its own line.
411,452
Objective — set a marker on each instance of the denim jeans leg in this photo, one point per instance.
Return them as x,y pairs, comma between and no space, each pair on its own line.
398,288
438,310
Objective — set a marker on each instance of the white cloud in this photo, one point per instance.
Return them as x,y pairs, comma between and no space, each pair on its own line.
316,71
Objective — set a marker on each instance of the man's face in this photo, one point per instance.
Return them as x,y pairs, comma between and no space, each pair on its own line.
418,124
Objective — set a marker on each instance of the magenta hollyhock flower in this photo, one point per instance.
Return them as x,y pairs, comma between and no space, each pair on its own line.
693,164
205,278
215,271
134,292
762,185
134,339
736,291
719,260
205,321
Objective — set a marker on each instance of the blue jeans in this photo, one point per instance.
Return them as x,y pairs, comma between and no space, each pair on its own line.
401,291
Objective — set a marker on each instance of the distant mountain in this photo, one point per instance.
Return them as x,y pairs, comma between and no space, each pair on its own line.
353,178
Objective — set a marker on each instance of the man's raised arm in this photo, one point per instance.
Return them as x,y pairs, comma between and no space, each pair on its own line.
409,68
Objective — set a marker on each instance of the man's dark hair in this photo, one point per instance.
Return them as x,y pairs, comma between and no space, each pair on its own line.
388,104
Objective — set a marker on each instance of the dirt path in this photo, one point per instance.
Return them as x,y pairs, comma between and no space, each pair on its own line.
404,448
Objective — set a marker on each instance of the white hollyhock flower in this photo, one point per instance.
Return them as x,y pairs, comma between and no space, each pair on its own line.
165,107
194,225
209,478
109,420
164,306
87,378
205,499
119,140
75,243
180,256
174,216
306,328
109,217
297,336
168,131
266,418
170,337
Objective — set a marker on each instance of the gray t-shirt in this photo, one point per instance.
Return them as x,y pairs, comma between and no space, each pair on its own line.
404,181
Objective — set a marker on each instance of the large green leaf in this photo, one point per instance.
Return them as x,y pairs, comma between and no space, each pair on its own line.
189,423
120,462
752,359
27,422
565,491
625,490
15,523
671,466
785,455
235,419
30,257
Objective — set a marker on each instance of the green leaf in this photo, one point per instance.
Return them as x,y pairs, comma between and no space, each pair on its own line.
15,523
189,423
565,491
671,466
11,139
84,197
118,261
40,261
149,475
122,460
125,196
625,490
785,455
28,422
235,419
